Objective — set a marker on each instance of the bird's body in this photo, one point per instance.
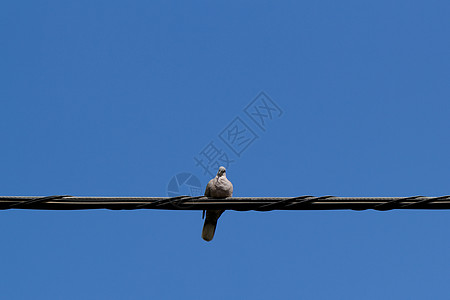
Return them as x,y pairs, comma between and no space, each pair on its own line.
218,187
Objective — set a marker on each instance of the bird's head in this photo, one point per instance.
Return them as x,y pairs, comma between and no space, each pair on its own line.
221,171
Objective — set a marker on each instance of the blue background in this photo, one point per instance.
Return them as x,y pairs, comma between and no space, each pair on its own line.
113,98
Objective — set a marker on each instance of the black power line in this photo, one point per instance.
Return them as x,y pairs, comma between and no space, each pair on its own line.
65,202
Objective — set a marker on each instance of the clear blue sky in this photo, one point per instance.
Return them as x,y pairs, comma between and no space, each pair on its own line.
114,98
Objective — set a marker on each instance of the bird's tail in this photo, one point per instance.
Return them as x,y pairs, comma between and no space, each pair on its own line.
209,228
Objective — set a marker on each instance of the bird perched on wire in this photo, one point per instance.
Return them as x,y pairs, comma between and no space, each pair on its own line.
218,187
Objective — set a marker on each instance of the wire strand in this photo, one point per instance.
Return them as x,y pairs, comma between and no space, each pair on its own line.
66,202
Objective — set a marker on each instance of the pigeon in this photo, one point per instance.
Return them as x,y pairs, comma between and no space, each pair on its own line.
218,187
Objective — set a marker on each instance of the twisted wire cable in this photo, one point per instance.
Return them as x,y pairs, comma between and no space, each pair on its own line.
66,202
